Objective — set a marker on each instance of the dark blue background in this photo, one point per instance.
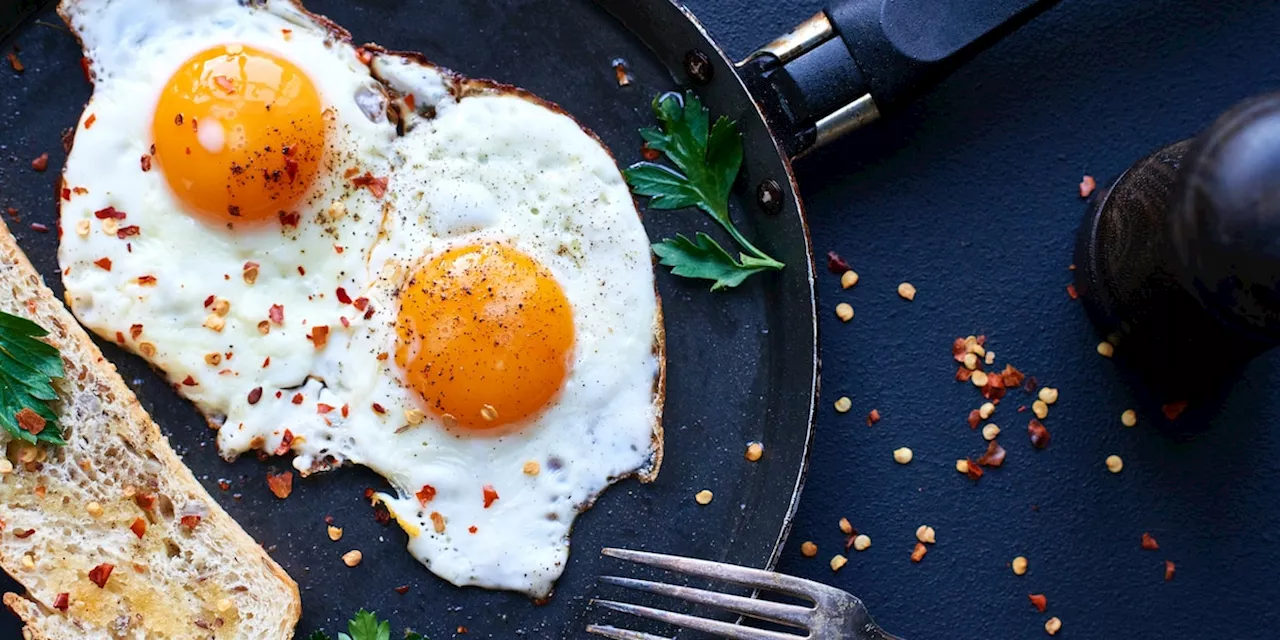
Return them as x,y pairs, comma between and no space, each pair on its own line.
971,195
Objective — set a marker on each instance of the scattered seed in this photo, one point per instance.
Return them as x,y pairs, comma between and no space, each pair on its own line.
82,228
28,561
532,468
838,562
703,497
990,432
844,404
902,455
215,322
844,311
1106,350
352,557
979,378
94,509
1114,464
986,410
110,226
926,534
808,549
991,357
845,526
848,279
1053,625
1019,566
1040,409
754,451
489,413
1048,394
335,533
1129,418
907,291
962,466
862,542
971,361
6,467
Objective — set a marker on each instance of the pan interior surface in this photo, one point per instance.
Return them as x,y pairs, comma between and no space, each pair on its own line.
741,364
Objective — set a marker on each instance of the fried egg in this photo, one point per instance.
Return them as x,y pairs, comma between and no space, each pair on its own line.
357,257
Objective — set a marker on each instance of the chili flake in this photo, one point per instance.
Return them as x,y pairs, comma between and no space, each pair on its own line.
1169,568
1038,601
918,553
190,521
139,527
146,162
319,336
42,228
135,331
1149,542
1174,409
15,62
994,456
286,443
873,417
376,186
30,421
1039,434
281,484
103,263
343,297
109,212
255,395
437,521
489,495
836,264
426,494
100,574
276,314
62,602
40,163
296,399
125,232
189,382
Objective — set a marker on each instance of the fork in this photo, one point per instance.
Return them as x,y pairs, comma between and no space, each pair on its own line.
835,615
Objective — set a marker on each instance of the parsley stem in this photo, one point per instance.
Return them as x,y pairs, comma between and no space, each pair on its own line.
766,259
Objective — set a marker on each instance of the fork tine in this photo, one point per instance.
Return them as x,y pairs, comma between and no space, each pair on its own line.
763,609
722,629
744,576
615,633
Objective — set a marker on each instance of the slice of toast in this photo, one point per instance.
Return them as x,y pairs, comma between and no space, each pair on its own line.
66,510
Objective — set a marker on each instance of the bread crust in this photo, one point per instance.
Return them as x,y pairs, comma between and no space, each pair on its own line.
22,292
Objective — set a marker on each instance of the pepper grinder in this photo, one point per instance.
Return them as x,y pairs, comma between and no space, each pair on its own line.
1178,261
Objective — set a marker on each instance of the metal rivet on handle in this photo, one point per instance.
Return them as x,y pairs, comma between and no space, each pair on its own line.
769,196
698,66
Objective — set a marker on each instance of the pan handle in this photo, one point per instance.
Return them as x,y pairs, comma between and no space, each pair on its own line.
860,59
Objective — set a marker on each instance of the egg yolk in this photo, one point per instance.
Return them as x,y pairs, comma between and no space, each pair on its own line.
238,134
485,335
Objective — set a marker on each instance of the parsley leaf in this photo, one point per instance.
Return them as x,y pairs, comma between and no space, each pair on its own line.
705,258
27,369
366,626
409,635
319,635
708,156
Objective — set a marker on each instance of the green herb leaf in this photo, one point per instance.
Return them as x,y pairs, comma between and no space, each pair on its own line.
319,635
366,626
409,635
27,369
708,156
704,258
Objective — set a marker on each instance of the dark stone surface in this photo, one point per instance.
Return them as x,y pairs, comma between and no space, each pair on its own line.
971,196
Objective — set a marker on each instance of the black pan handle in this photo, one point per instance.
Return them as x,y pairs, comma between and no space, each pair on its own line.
860,59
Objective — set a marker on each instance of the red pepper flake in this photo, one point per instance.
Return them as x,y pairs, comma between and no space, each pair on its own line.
88,122
225,485
1039,434
963,374
15,62
379,409
1031,385
958,349
1038,601
30,421
79,190
135,331
377,186
426,494
1174,409
147,281
301,270
346,324
343,297
1149,542
139,527
40,163
368,493
255,395
873,417
66,193
1169,568
323,408
125,232
290,167
319,336
109,212
188,382
351,171
402,589
190,521
286,443
365,55
1071,291
346,410
84,67
649,153
290,218
410,102
62,602
490,494
337,248
42,228
381,515
836,264
287,33
23,533
918,553
1011,377
994,389
297,398
974,471
103,263
100,574
266,362
13,213
472,529
360,303
1087,185
974,419
994,456
146,162
276,314
145,501
281,484
209,300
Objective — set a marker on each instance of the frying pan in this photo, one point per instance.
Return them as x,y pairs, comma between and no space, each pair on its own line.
743,366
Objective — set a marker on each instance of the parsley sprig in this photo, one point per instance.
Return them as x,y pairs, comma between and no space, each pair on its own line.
27,369
708,157
366,626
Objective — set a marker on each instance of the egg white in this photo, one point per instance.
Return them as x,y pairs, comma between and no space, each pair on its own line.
476,163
